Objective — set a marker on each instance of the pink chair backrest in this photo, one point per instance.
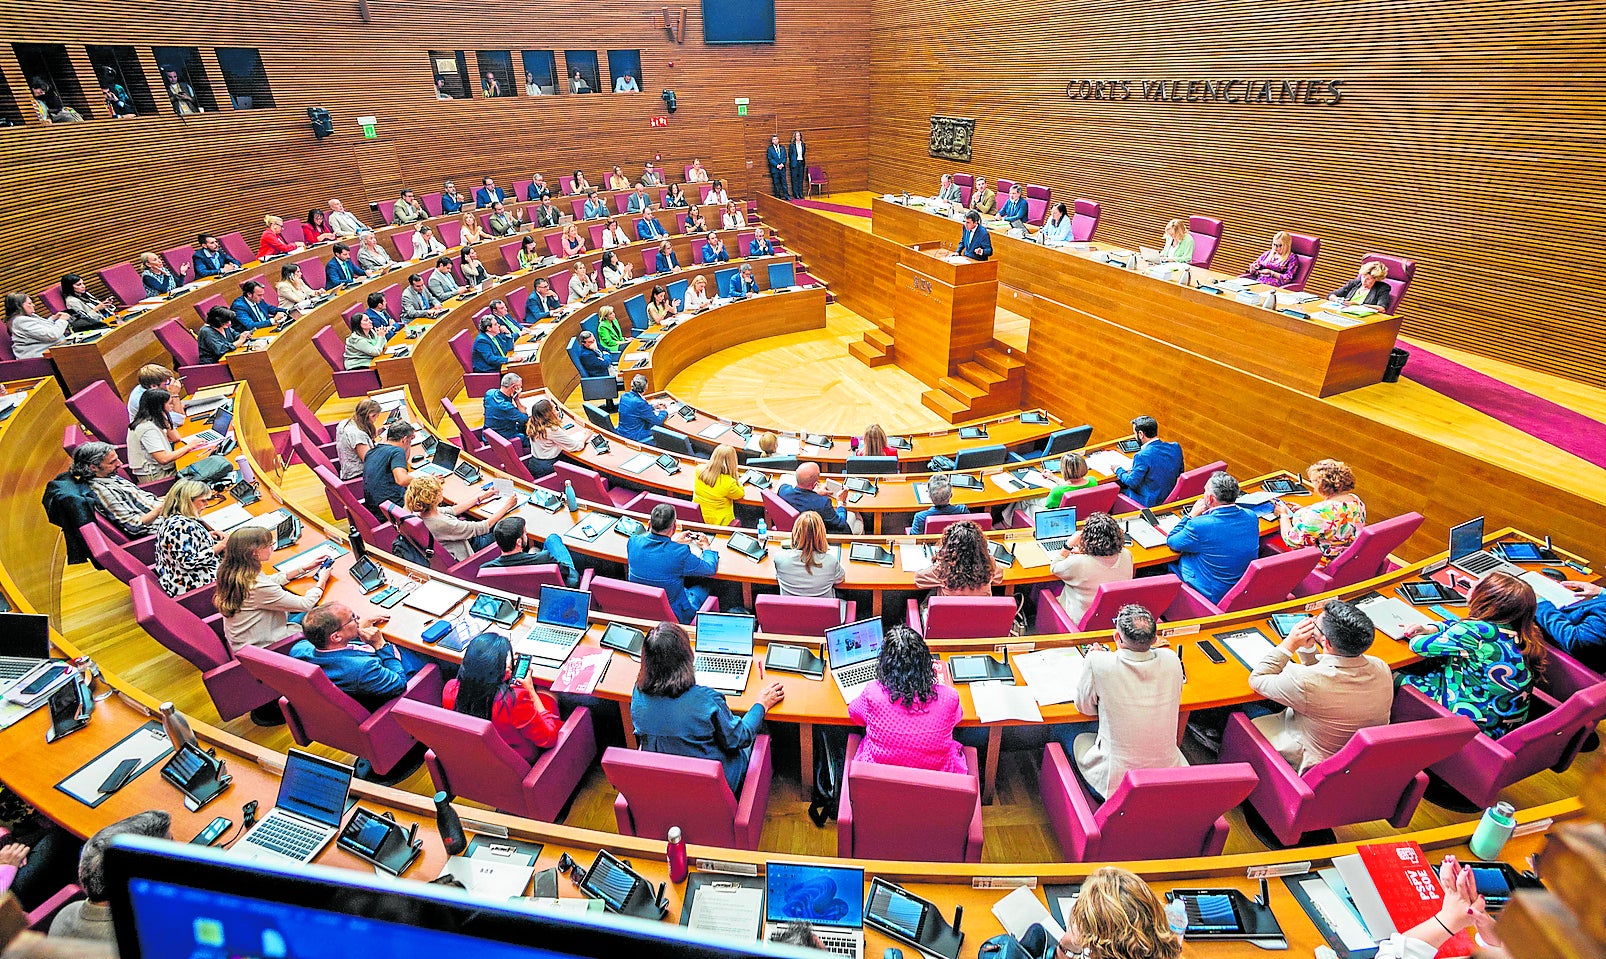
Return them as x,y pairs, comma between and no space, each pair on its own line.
554,243
1206,238
816,174
463,348
505,455
968,617
1154,593
1364,780
780,513
685,510
450,233
595,230
312,272
175,627
432,203
98,407
111,555
622,598
478,764
965,179
1094,499
1169,813
588,484
519,188
466,439
797,615
1401,271
1084,220
124,281
393,299
664,791
936,524
51,295
1304,248
1002,186
301,414
234,245
568,184
1192,482
181,256
352,310
204,306
1270,579
373,533
578,205
331,347
1035,192
510,255
522,580
882,798
516,299
178,341
560,285
1577,700
403,241
965,192
1035,211
649,259
1368,556
387,211
311,453
323,711
702,193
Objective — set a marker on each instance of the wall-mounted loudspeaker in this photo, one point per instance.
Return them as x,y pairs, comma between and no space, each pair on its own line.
322,124
669,101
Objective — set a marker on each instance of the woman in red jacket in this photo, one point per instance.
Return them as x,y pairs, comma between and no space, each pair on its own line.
527,720
273,239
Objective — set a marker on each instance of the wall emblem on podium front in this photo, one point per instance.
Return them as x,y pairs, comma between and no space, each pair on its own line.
950,138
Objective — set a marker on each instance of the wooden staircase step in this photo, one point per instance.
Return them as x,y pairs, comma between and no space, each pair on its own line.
869,354
996,359
879,338
946,405
985,376
962,388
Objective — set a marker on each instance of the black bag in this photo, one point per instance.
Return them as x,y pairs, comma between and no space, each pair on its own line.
1034,945
830,765
406,549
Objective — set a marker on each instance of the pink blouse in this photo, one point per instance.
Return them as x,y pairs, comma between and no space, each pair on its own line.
920,736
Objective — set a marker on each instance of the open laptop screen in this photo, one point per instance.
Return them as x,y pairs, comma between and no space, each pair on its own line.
1054,523
824,895
314,787
24,635
563,607
855,642
223,419
730,633
1466,539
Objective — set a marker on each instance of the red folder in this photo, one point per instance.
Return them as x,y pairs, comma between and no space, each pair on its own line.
1409,886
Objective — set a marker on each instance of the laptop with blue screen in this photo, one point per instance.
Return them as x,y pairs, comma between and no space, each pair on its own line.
829,898
307,814
560,621
1052,527
854,650
724,650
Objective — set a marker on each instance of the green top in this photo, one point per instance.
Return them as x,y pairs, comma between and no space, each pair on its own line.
1178,252
1057,494
609,336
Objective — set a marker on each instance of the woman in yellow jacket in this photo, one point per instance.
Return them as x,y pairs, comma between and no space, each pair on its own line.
716,489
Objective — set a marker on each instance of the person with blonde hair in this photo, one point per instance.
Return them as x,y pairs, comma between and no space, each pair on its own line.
1331,524
1117,916
255,605
697,294
356,435
473,232
548,439
573,244
1367,289
150,377
1178,243
370,255
768,443
581,285
808,567
157,278
426,246
733,217
874,442
186,548
716,488
1276,266
609,336
459,537
273,241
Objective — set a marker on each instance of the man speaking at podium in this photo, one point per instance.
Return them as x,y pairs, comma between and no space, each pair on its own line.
975,243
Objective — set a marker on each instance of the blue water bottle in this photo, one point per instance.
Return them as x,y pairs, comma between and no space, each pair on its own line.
569,499
763,531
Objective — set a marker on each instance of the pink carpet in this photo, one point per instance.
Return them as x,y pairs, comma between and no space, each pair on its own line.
833,207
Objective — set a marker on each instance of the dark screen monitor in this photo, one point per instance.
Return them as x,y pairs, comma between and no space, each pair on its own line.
25,635
599,388
738,21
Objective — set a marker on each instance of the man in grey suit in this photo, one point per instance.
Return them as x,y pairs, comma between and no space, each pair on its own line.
950,190
417,302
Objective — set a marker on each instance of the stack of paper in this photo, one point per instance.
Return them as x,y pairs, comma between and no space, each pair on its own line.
227,517
714,431
435,597
1051,674
1000,701
913,557
1547,588
495,881
1142,533
1392,615
727,910
1106,462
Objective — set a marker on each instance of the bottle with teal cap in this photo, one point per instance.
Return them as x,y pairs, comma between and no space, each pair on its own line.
1493,830
569,499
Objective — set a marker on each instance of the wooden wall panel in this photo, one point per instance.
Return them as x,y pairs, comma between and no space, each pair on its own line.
85,195
1466,138
859,265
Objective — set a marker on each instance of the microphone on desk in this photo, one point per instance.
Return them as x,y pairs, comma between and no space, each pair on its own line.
959,915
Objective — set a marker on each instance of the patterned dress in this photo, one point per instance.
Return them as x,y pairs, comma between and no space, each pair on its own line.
1481,675
184,557
1331,525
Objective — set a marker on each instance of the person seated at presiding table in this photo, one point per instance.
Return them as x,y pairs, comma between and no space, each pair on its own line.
1579,628
210,259
426,244
503,414
581,286
130,508
637,416
218,335
659,306
186,548
744,283
274,242
442,284
609,336
252,311
675,196
648,228
408,209
595,207
90,918
355,656
1094,555
760,245
32,334
662,557
518,548
255,605
696,172
961,566
492,345
1217,540
667,259
1177,243
151,436
808,566
803,497
504,222
547,215
418,303
343,222
1483,666
1136,693
1155,466
370,255
149,377
714,249
458,536
453,201
1367,289
1331,524
341,269
547,437
673,715
1333,691
156,277
716,488
1015,210
292,287
384,470
974,240
365,343
613,235
593,361
949,191
1057,229
526,718
1278,265
639,201
615,272
983,200
908,717
940,490
356,435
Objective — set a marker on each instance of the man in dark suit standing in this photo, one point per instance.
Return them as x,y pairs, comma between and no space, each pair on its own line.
974,242
776,157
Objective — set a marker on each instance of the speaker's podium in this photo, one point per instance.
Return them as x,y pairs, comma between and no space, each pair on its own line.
943,317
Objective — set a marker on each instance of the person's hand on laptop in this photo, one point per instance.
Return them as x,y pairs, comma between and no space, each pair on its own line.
772,695
1584,590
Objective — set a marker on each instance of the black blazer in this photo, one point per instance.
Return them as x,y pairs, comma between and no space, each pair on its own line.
1378,296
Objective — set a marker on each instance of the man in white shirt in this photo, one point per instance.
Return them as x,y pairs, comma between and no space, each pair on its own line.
1136,692
342,223
1334,690
626,84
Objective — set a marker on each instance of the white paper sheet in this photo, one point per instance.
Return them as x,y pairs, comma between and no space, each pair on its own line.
1249,646
1393,615
913,557
227,517
1547,588
1142,533
638,463
146,745
1106,462
1169,522
714,431
496,881
1000,701
1021,909
732,912
1256,498
435,597
1052,674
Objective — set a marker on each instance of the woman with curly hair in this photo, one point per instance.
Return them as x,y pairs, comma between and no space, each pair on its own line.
962,566
1118,916
458,536
1331,524
908,717
1096,555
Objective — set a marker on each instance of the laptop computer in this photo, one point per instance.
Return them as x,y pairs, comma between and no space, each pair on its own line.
307,814
828,898
853,651
444,460
1468,555
24,648
561,615
724,651
218,428
1052,527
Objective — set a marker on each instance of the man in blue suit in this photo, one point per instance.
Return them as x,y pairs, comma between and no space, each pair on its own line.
251,309
974,241
488,193
210,258
537,190
1015,209
637,417
503,412
492,346
744,283
775,157
804,498
1217,541
354,655
639,202
648,228
595,208
661,557
1155,466
543,302
340,268
714,250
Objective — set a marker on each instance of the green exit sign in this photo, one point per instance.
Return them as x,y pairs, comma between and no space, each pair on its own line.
370,132
741,110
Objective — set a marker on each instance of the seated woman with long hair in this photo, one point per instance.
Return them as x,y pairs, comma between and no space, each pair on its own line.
962,565
808,567
1117,916
186,548
526,718
908,717
716,488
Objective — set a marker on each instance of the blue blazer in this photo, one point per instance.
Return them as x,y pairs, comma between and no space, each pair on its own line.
699,725
649,229
485,197
638,203
338,271
709,256
253,317
490,352
1154,472
382,320
592,362
667,262
207,263
777,158
595,209
504,415
808,501
760,248
637,417
449,205
1216,548
656,560
743,287
970,240
918,524
1578,628
535,308
1014,210
372,678
535,191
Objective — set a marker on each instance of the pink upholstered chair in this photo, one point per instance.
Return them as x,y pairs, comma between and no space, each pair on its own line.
1365,558
432,203
234,245
1084,220
685,510
620,597
124,281
474,384
99,408
1002,186
817,180
502,454
778,513
467,758
962,617
318,711
186,352
450,233
467,440
348,383
1151,813
410,525
376,534
387,211
657,791
1269,580
1401,272
116,560
403,242
38,918
1304,249
1565,705
142,548
1154,593
1095,499
521,580
1190,484
801,615
873,820
234,691
312,271
204,306
314,457
589,486
936,524
1378,775
181,260
1206,233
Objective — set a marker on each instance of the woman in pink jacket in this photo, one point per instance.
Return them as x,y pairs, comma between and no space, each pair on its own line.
908,718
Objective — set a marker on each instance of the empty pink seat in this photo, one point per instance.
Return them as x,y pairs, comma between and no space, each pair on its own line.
314,456
467,440
502,454
1269,580
234,691
620,597
1151,814
124,281
181,260
685,510
432,203
801,615
1154,593
1084,220
1304,249
117,560
1206,232
874,820
187,357
778,513
312,272
376,534
657,791
99,408
962,617
311,427
589,486
234,245
348,383
1363,559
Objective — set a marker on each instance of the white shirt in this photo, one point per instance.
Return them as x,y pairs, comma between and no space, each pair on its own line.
1136,697
614,237
695,300
734,221
422,249
717,196
626,84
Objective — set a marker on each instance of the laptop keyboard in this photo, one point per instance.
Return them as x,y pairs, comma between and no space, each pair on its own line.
1479,563
553,635
16,668
286,837
858,674
840,943
716,663
207,436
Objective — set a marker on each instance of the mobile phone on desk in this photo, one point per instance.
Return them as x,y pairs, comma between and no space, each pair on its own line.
1211,652
119,776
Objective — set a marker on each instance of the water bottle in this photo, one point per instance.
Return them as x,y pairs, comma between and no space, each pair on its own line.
1176,916
763,531
1271,299
1493,830
244,466
451,827
569,498
677,855
176,726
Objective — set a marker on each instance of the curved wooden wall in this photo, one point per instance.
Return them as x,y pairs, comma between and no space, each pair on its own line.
32,440
1464,139
82,196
